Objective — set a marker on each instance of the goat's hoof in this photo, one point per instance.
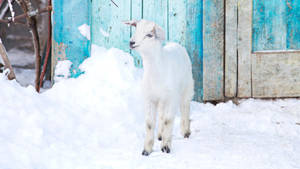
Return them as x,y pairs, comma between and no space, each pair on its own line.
165,149
145,153
187,135
159,138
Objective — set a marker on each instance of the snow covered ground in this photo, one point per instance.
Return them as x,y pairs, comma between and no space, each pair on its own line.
96,122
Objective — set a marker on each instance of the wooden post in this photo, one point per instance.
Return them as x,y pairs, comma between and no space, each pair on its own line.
7,64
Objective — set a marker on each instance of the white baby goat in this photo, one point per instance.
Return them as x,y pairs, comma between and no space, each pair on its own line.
167,82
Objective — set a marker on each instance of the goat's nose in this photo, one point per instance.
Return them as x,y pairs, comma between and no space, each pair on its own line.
131,43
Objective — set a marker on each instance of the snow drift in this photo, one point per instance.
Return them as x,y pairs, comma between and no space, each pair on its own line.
97,121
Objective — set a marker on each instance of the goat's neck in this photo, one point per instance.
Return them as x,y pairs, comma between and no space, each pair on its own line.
152,59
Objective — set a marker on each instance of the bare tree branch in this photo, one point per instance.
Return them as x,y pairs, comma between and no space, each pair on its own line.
34,13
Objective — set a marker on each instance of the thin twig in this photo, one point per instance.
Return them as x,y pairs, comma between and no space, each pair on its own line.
114,3
9,20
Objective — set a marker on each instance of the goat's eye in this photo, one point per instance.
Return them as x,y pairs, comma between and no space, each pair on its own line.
149,35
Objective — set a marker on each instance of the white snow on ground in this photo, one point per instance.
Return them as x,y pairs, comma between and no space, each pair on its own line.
97,122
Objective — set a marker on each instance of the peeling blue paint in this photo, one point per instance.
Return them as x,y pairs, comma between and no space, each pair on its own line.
276,25
67,17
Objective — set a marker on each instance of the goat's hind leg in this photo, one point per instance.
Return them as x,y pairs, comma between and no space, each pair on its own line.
150,110
185,118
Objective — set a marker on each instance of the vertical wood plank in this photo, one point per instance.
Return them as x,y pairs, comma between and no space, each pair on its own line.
275,26
107,27
244,48
213,53
259,36
67,41
194,43
293,24
177,21
136,14
231,49
156,11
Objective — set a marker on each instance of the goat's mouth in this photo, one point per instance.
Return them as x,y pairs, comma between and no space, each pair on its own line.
133,46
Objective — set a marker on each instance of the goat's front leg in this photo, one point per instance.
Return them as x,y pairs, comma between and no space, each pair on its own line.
168,121
160,120
150,109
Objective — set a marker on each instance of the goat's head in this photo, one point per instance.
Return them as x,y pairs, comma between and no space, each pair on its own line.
146,35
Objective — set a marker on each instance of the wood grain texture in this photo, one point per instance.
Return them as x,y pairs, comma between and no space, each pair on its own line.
177,21
107,27
276,75
231,48
157,11
276,25
213,49
244,48
67,40
194,43
293,22
136,14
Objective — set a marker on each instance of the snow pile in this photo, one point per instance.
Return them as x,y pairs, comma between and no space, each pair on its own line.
85,31
62,70
97,121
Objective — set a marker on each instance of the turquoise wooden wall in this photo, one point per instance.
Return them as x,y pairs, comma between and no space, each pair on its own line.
181,19
67,41
196,24
276,25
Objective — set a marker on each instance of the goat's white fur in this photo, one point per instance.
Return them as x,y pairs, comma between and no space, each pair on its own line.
167,82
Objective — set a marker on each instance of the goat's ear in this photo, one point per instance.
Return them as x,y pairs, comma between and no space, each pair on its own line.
131,23
159,32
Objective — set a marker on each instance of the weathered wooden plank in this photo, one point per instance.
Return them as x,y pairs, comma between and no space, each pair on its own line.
177,21
107,27
259,39
194,43
136,13
213,53
276,75
157,11
244,48
231,49
269,25
293,24
67,41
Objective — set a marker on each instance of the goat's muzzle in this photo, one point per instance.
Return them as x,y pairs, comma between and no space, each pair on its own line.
131,44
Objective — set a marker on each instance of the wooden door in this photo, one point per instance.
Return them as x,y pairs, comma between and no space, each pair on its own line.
262,48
